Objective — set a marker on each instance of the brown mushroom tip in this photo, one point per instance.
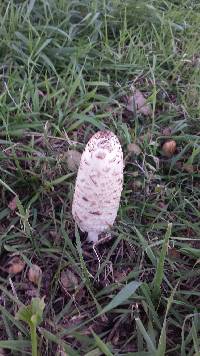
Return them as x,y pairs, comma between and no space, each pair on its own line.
169,148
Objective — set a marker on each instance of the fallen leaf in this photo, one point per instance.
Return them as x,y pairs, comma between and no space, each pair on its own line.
138,101
133,148
169,148
130,105
174,253
167,131
15,265
120,275
55,236
31,292
35,274
13,204
80,295
188,168
162,205
73,160
68,279
142,106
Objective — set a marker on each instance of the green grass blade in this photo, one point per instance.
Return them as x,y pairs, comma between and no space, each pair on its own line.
125,293
162,344
149,342
16,345
101,345
159,275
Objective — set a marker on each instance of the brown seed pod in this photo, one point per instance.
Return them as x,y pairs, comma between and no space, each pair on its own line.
35,274
169,148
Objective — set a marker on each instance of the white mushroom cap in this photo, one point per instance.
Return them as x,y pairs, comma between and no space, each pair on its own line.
98,185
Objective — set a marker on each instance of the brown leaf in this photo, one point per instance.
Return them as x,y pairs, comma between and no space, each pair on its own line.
188,168
68,279
138,101
120,275
80,295
167,131
13,204
15,265
35,274
174,253
142,106
130,105
55,236
162,205
133,148
73,160
31,292
169,148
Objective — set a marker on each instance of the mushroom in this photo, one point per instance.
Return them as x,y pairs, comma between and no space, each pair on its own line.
98,185
169,148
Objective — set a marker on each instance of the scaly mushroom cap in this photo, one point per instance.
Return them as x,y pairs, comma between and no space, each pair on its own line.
99,184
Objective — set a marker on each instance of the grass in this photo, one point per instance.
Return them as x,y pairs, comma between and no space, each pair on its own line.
65,69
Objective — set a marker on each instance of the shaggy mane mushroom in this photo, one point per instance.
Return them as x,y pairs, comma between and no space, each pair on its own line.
98,185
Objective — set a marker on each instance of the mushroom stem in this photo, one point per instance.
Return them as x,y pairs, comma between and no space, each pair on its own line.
93,236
